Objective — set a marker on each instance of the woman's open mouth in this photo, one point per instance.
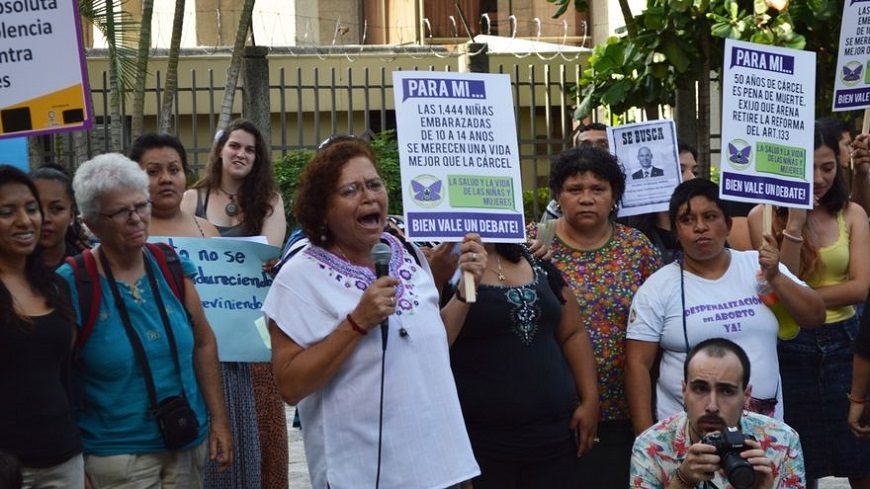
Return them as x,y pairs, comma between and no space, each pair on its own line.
371,221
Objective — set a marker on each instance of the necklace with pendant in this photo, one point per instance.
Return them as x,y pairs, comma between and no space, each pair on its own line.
499,273
231,209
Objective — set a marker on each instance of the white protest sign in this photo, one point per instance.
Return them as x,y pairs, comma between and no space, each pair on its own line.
459,157
232,286
852,78
768,117
649,155
43,83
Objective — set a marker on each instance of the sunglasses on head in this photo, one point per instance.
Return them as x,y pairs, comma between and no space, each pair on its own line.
337,138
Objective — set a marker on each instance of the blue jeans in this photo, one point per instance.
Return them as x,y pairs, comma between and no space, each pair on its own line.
816,370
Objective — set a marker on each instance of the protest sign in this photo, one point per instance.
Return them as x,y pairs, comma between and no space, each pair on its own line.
649,155
459,156
852,78
231,286
768,117
43,83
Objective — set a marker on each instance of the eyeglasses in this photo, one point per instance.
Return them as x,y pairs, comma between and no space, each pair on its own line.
352,190
337,138
142,209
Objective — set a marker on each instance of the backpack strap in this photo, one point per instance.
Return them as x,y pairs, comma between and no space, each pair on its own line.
87,280
170,266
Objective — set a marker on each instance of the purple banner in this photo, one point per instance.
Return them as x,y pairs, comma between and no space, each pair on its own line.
766,189
856,97
761,60
455,225
442,88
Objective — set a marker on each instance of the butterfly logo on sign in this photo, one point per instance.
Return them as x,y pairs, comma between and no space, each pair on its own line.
852,72
427,191
738,154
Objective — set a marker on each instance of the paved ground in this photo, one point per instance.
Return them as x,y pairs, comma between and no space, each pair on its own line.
298,470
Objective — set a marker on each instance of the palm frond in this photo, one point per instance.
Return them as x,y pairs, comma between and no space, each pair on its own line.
121,32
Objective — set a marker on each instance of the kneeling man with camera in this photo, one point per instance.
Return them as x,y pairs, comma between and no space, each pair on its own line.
715,442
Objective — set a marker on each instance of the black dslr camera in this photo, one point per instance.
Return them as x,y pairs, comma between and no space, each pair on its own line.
729,444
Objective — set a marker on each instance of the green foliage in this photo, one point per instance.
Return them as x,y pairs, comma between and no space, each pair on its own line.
758,25
121,31
543,196
386,149
287,171
715,174
579,5
646,69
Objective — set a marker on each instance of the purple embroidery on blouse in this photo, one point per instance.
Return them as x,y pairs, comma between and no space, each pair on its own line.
402,265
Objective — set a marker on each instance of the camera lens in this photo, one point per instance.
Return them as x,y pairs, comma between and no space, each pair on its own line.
739,472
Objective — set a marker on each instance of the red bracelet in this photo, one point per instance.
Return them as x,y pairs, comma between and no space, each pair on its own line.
855,401
356,326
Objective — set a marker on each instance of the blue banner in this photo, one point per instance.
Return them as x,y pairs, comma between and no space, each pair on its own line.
232,286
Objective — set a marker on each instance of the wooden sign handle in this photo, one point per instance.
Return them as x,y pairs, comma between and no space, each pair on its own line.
470,290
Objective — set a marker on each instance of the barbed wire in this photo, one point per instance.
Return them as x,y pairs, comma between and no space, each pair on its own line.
271,29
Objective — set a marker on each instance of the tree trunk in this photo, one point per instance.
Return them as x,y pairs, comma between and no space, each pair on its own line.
171,84
630,26
235,65
115,92
704,102
686,115
141,69
81,143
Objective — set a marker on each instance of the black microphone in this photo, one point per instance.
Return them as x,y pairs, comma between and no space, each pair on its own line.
381,255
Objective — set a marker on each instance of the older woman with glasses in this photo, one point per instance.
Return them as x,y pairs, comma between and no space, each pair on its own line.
331,354
152,407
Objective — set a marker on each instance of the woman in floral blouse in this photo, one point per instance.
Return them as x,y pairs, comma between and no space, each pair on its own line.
604,263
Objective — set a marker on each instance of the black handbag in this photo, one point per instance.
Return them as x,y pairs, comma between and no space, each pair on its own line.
174,416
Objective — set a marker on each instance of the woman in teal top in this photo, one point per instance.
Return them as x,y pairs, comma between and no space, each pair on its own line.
122,440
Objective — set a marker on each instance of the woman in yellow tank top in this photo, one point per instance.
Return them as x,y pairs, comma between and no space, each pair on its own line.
829,248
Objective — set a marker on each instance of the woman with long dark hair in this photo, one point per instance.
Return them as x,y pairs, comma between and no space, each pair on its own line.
238,192
827,247
37,329
62,232
238,195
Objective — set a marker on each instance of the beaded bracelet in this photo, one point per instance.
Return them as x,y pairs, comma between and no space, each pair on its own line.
356,326
855,401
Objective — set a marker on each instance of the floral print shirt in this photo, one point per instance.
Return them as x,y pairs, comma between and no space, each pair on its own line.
604,281
659,450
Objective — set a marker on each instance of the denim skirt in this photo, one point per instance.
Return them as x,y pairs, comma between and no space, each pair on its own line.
816,370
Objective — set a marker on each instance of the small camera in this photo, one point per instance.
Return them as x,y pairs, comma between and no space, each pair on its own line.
729,444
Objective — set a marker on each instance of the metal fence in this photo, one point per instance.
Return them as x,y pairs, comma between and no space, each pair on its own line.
309,105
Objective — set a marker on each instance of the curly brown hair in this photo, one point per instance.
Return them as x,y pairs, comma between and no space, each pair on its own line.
317,185
259,187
